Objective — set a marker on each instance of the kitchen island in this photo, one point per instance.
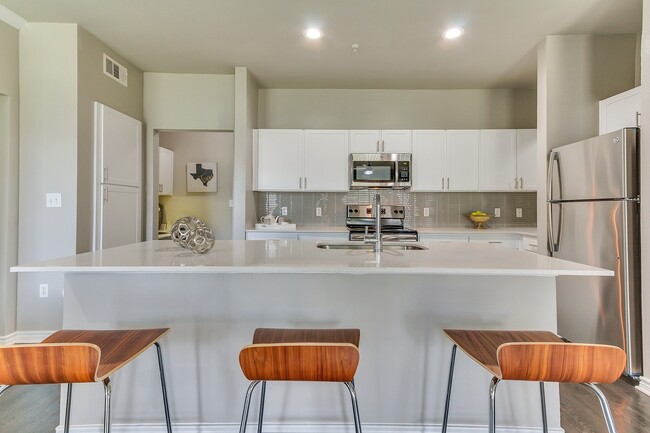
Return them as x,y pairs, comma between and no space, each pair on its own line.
399,299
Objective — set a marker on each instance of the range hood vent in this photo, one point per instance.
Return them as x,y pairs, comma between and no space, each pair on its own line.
115,71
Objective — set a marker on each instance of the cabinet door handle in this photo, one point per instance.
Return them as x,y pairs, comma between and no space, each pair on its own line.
447,183
638,119
521,183
105,195
516,183
300,181
160,187
378,147
443,183
105,174
383,146
305,182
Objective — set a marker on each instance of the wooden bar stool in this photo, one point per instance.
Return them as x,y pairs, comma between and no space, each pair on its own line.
539,356
74,356
323,355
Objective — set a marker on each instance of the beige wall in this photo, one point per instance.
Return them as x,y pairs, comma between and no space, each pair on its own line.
94,85
60,77
574,73
195,146
645,198
396,109
246,93
199,102
9,115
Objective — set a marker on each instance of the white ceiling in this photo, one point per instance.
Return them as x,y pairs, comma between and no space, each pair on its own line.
400,43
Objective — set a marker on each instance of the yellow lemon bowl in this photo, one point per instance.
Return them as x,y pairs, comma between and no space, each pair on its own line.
479,220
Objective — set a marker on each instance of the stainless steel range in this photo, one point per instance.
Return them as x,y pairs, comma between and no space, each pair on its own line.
361,222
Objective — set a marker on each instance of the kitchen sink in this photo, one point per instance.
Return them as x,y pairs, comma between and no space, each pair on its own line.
361,246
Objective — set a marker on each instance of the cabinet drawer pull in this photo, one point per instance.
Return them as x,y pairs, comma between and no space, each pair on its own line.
495,242
160,187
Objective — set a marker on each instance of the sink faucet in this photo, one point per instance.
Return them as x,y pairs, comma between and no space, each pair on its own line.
377,238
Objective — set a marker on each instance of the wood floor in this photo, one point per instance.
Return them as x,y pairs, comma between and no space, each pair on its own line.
35,409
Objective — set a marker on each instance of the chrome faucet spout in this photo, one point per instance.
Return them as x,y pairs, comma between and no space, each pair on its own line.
378,240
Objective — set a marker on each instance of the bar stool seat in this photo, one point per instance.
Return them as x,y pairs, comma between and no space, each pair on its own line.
323,355
539,356
80,356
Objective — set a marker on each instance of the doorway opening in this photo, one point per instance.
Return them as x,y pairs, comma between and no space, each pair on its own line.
201,180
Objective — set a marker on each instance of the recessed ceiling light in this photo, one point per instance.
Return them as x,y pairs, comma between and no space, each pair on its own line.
313,33
453,33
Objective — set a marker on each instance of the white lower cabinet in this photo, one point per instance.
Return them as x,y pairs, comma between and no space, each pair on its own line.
269,236
506,240
444,237
528,243
323,236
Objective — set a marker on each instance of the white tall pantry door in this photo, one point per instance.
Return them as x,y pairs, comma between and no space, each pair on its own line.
118,178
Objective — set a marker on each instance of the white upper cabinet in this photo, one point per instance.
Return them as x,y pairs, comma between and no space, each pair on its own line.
462,160
297,160
498,160
527,159
118,139
279,159
326,160
396,140
365,141
620,111
429,160
378,141
165,171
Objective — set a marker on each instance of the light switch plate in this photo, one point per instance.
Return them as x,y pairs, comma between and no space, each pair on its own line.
53,199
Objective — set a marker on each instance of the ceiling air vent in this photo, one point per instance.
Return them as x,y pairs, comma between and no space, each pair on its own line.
115,70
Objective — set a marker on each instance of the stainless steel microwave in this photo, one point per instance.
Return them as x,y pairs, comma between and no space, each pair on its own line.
380,170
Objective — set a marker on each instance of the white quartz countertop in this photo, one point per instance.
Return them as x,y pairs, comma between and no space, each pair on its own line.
303,257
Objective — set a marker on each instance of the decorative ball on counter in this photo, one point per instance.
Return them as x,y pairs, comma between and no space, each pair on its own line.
192,233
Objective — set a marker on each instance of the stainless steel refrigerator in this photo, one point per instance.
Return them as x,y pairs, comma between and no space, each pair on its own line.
593,217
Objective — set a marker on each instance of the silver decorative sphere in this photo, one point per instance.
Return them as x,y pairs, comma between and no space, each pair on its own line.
192,233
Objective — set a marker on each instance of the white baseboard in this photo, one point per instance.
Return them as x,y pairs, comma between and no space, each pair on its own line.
8,340
644,385
300,428
24,337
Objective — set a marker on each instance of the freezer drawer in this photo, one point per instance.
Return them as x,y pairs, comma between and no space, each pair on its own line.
605,310
602,167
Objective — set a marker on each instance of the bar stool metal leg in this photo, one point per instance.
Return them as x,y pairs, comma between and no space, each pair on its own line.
107,405
247,405
542,395
445,418
493,395
68,404
355,406
163,384
260,418
607,413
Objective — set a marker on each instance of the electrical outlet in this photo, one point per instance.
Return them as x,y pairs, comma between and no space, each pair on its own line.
519,213
497,212
319,211
43,290
53,199
284,210
425,211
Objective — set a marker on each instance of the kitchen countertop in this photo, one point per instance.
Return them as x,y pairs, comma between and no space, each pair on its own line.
303,257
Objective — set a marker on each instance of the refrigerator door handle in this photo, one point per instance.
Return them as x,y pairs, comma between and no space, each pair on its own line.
553,242
554,160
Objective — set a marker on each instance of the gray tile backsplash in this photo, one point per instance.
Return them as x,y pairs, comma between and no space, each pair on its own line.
446,209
